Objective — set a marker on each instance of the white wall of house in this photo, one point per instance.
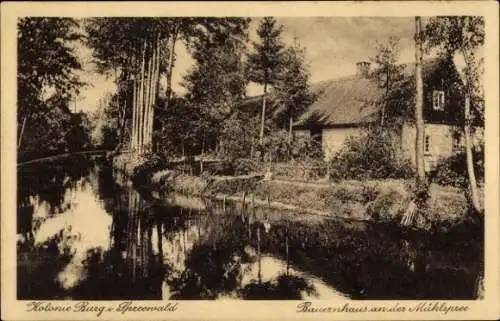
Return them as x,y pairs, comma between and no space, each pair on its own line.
334,138
438,140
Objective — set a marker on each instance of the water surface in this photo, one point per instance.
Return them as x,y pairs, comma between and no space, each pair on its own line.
85,233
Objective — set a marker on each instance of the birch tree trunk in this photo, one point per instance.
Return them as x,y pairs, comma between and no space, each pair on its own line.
468,139
147,102
171,59
470,163
141,103
155,86
133,137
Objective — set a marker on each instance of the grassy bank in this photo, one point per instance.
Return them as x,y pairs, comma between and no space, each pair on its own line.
380,200
376,200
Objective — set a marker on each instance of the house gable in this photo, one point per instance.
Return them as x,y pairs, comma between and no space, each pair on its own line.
443,79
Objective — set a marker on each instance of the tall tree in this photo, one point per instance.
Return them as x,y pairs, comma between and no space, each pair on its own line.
419,103
265,62
131,46
389,74
463,35
421,188
217,80
293,92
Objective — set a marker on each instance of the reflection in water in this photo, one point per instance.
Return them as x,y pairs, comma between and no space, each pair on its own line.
84,233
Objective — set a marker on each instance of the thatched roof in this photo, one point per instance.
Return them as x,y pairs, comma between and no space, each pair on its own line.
351,100
347,100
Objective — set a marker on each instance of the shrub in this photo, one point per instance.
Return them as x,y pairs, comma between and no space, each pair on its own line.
219,168
244,166
278,148
452,171
369,193
387,206
369,155
142,174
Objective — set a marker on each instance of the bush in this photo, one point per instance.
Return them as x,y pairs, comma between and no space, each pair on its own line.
219,168
278,148
142,174
369,155
244,166
389,205
452,171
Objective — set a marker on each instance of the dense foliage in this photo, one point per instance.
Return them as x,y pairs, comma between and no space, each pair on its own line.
453,170
47,84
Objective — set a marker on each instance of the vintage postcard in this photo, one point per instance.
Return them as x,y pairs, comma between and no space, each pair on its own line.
253,160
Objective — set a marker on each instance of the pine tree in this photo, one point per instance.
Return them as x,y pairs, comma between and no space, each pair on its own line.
217,80
265,62
293,93
389,74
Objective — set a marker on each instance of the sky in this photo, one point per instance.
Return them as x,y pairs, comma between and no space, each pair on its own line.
333,46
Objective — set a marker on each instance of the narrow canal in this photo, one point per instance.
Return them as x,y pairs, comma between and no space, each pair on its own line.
84,233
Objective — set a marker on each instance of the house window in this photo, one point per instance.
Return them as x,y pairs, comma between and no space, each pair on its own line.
427,144
438,100
457,142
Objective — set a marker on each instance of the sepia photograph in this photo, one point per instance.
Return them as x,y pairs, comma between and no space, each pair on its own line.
241,158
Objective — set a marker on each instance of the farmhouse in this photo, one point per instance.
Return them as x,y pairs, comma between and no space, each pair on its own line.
345,105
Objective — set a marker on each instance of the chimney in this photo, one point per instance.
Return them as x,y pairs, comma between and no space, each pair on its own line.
363,68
